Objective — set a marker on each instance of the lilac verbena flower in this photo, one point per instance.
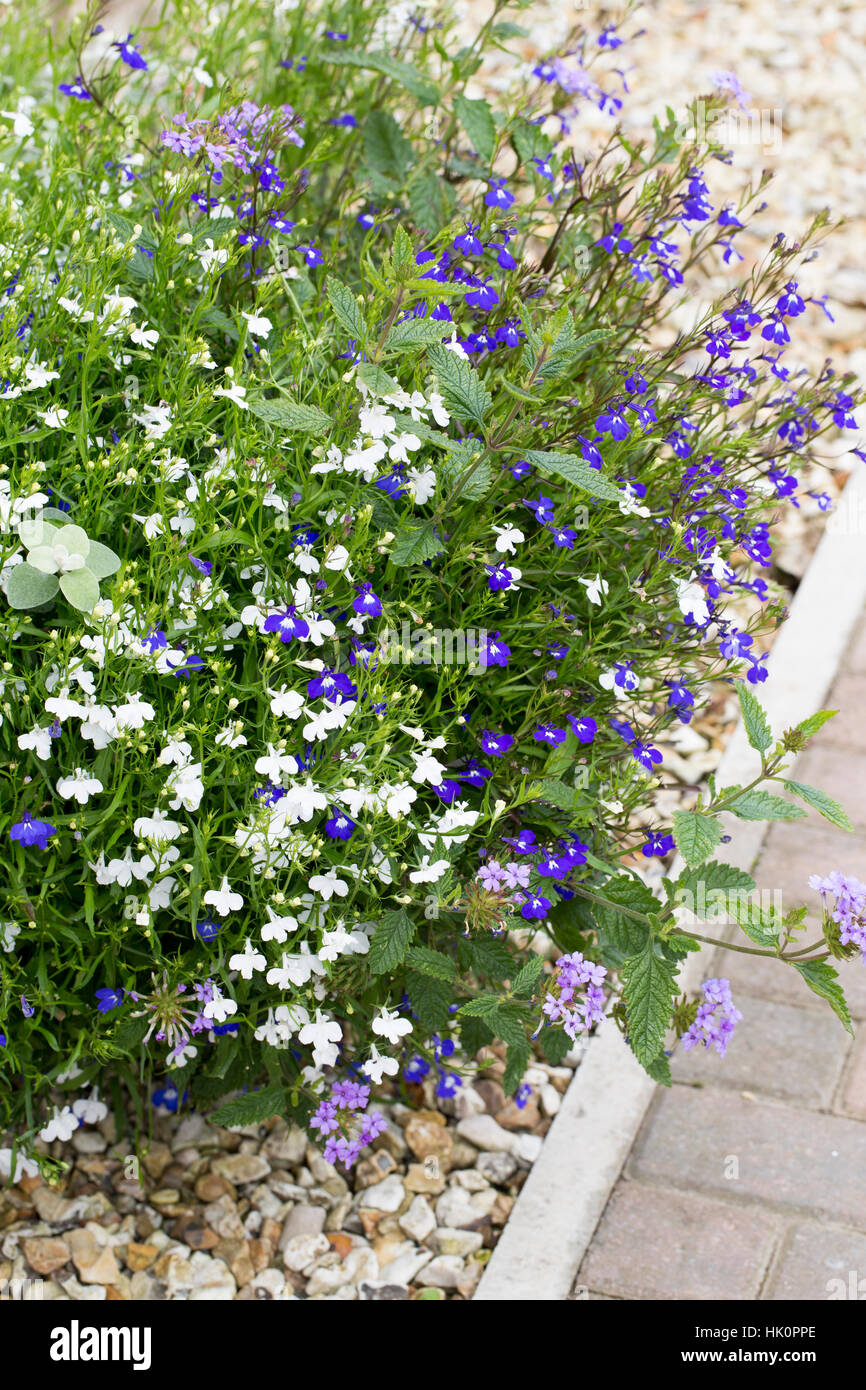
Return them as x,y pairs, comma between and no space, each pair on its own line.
576,999
715,1020
849,909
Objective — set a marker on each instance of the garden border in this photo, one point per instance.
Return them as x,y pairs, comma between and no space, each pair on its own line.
553,1221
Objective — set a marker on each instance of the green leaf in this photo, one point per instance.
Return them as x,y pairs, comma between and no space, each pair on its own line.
762,927
517,1059
425,91
431,999
462,389
485,1006
476,119
413,332
390,941
27,587
487,957
289,415
823,980
415,545
576,471
376,379
621,936
428,962
386,149
760,805
714,876
649,990
555,1044
529,141
526,980
431,202
757,725
253,1108
822,803
809,727
552,790
695,835
345,306
81,589
660,1070
457,463
101,561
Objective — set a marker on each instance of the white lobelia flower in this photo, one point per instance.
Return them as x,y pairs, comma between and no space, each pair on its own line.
391,1026
595,588
62,1125
377,1066
17,1168
278,928
218,1009
157,827
145,337
692,600
323,1035
78,786
295,971
248,961
223,899
340,942
427,872
328,885
90,1109
8,933
508,538
39,740
286,703
209,257
275,763
233,392
257,324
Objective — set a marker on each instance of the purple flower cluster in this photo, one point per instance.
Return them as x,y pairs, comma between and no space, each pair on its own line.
849,909
344,1140
245,137
715,1020
576,999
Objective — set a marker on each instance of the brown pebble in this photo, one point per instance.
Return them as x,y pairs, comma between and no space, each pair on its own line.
140,1256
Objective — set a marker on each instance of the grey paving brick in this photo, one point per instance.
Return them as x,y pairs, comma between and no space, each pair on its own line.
663,1244
721,1143
820,1263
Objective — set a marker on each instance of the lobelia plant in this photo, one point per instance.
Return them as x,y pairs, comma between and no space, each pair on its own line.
427,535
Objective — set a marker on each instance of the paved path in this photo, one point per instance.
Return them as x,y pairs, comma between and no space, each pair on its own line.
748,1177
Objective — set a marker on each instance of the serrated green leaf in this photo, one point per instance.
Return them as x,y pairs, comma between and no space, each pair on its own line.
659,1069
823,980
415,545
413,332
485,1006
822,803
289,415
695,836
431,999
756,723
555,1044
527,978
574,470
714,876
386,148
487,957
760,805
346,308
464,393
649,990
376,379
425,91
253,1108
809,727
428,962
432,203
477,120
517,1059
390,941
457,464
552,790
